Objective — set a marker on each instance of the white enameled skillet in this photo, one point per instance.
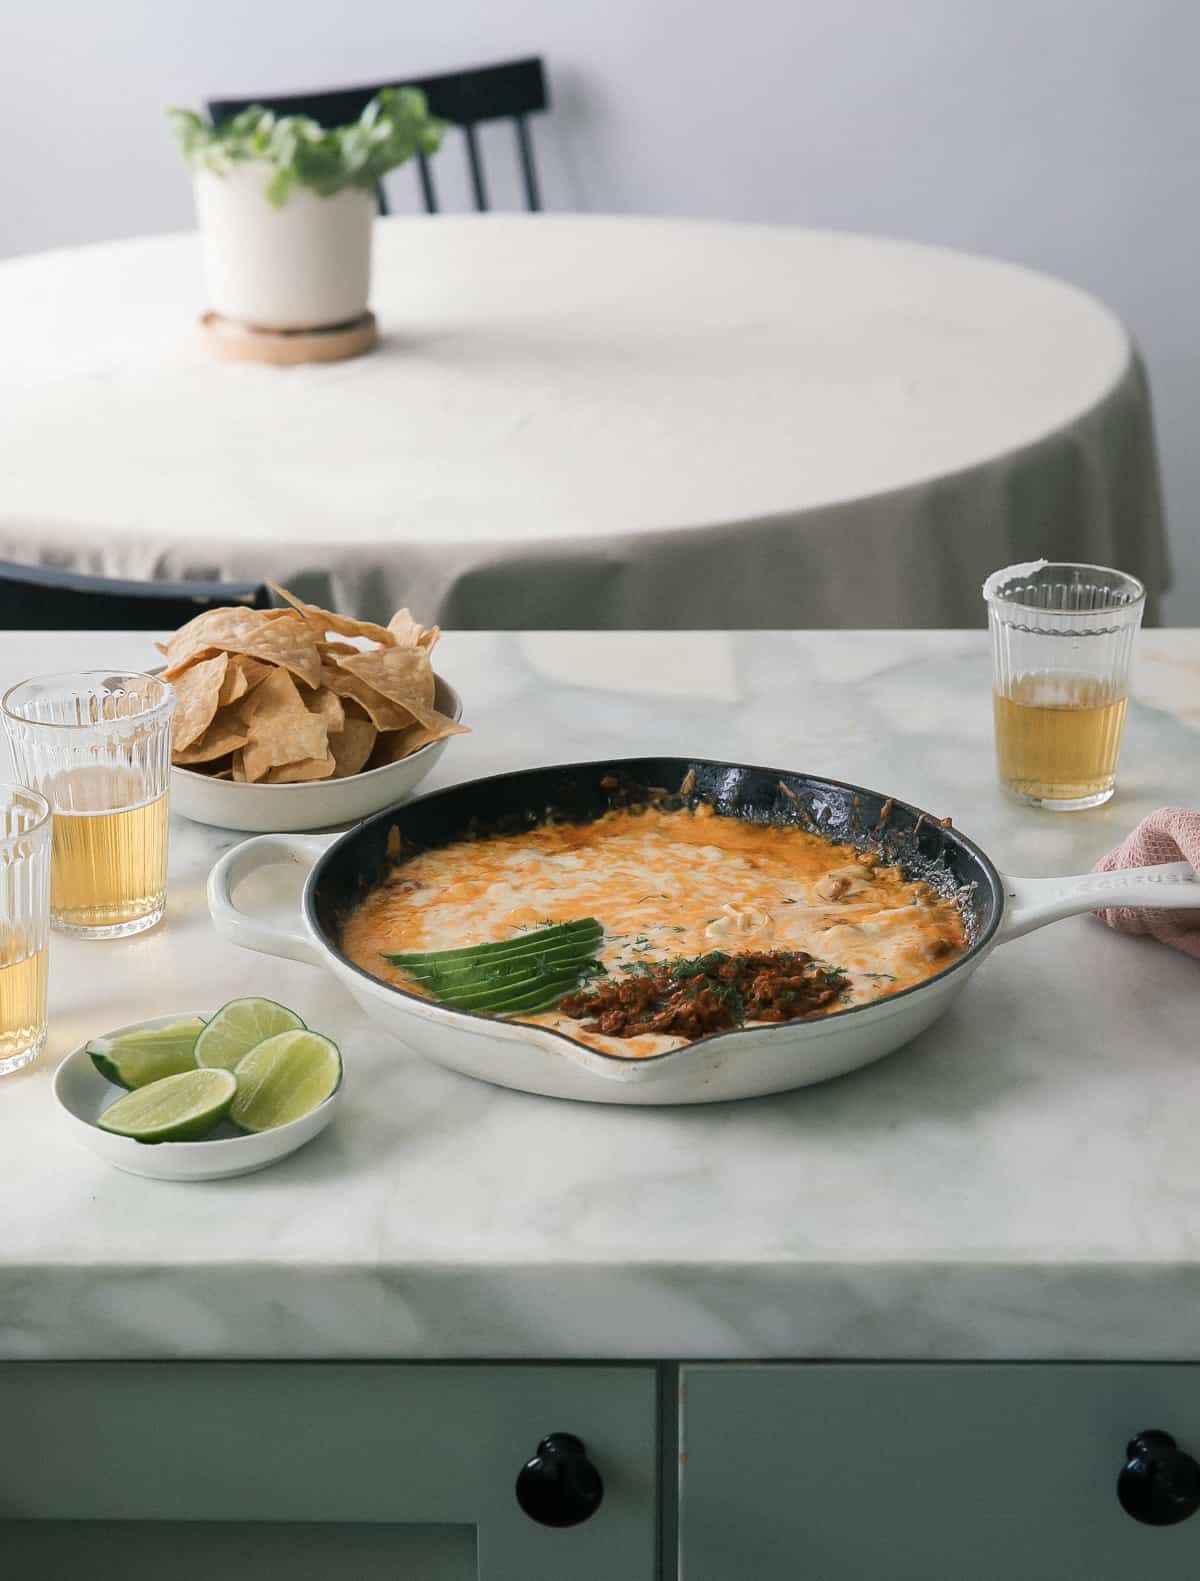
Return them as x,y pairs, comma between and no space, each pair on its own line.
744,1063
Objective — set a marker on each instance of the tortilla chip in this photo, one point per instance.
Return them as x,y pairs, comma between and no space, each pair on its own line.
289,643
365,695
234,685
327,705
280,728
256,670
439,725
406,631
389,748
325,620
397,744
384,715
409,633
225,735
198,632
404,677
301,773
283,642
197,698
352,745
242,675
172,672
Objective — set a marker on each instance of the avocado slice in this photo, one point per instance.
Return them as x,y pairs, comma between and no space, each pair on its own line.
556,933
495,997
487,969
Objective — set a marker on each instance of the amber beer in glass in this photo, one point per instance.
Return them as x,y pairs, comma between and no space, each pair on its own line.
1062,647
97,745
24,924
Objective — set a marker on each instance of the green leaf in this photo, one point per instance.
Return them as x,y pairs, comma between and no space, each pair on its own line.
392,128
279,187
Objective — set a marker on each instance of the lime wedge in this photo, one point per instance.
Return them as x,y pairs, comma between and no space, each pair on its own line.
238,1027
132,1059
283,1078
179,1108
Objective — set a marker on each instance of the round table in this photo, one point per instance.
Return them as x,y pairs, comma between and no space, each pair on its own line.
588,422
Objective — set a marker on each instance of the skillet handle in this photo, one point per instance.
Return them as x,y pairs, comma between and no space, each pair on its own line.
255,933
1030,903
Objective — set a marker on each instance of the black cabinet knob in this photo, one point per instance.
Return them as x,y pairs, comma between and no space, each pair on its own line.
559,1486
1159,1483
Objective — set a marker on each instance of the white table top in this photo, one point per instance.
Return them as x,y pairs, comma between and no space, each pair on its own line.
554,376
570,386
1021,1182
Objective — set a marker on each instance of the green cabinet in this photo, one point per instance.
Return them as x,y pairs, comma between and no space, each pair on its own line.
948,1472
141,1470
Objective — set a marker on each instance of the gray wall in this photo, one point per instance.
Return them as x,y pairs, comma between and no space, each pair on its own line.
1060,133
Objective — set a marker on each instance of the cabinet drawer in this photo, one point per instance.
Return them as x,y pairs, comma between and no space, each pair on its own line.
926,1473
400,1470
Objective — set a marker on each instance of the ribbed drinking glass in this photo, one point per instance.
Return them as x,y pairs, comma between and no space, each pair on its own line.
97,745
24,924
1062,650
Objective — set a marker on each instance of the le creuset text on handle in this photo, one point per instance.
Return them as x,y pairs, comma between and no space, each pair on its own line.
1031,903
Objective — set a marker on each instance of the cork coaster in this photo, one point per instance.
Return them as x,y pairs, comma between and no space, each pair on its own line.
232,341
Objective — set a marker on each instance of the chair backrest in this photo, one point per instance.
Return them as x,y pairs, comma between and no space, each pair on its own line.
35,598
511,91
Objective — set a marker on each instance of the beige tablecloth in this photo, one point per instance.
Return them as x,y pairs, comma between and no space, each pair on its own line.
588,422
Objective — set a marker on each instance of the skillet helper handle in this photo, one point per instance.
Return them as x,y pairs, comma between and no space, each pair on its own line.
1030,903
256,933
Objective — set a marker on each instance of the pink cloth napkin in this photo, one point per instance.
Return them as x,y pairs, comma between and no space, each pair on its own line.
1172,834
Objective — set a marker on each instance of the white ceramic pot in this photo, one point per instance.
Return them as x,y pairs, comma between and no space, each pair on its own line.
303,266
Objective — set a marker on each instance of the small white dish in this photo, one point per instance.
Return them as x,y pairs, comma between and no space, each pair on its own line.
83,1095
319,804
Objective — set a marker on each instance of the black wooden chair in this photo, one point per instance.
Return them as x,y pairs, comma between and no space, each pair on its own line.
511,91
36,598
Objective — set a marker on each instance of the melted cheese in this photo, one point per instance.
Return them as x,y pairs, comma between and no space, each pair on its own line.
665,885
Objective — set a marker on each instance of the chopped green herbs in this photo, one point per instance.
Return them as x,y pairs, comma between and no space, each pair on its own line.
699,965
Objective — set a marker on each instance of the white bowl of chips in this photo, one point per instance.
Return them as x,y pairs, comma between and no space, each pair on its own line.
298,718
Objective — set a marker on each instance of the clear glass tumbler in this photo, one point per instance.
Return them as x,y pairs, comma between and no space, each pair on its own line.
24,924
97,745
1062,647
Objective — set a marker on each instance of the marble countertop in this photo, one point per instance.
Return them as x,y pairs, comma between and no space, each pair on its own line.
1023,1181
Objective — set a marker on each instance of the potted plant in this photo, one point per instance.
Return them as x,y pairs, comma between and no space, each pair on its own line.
285,206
